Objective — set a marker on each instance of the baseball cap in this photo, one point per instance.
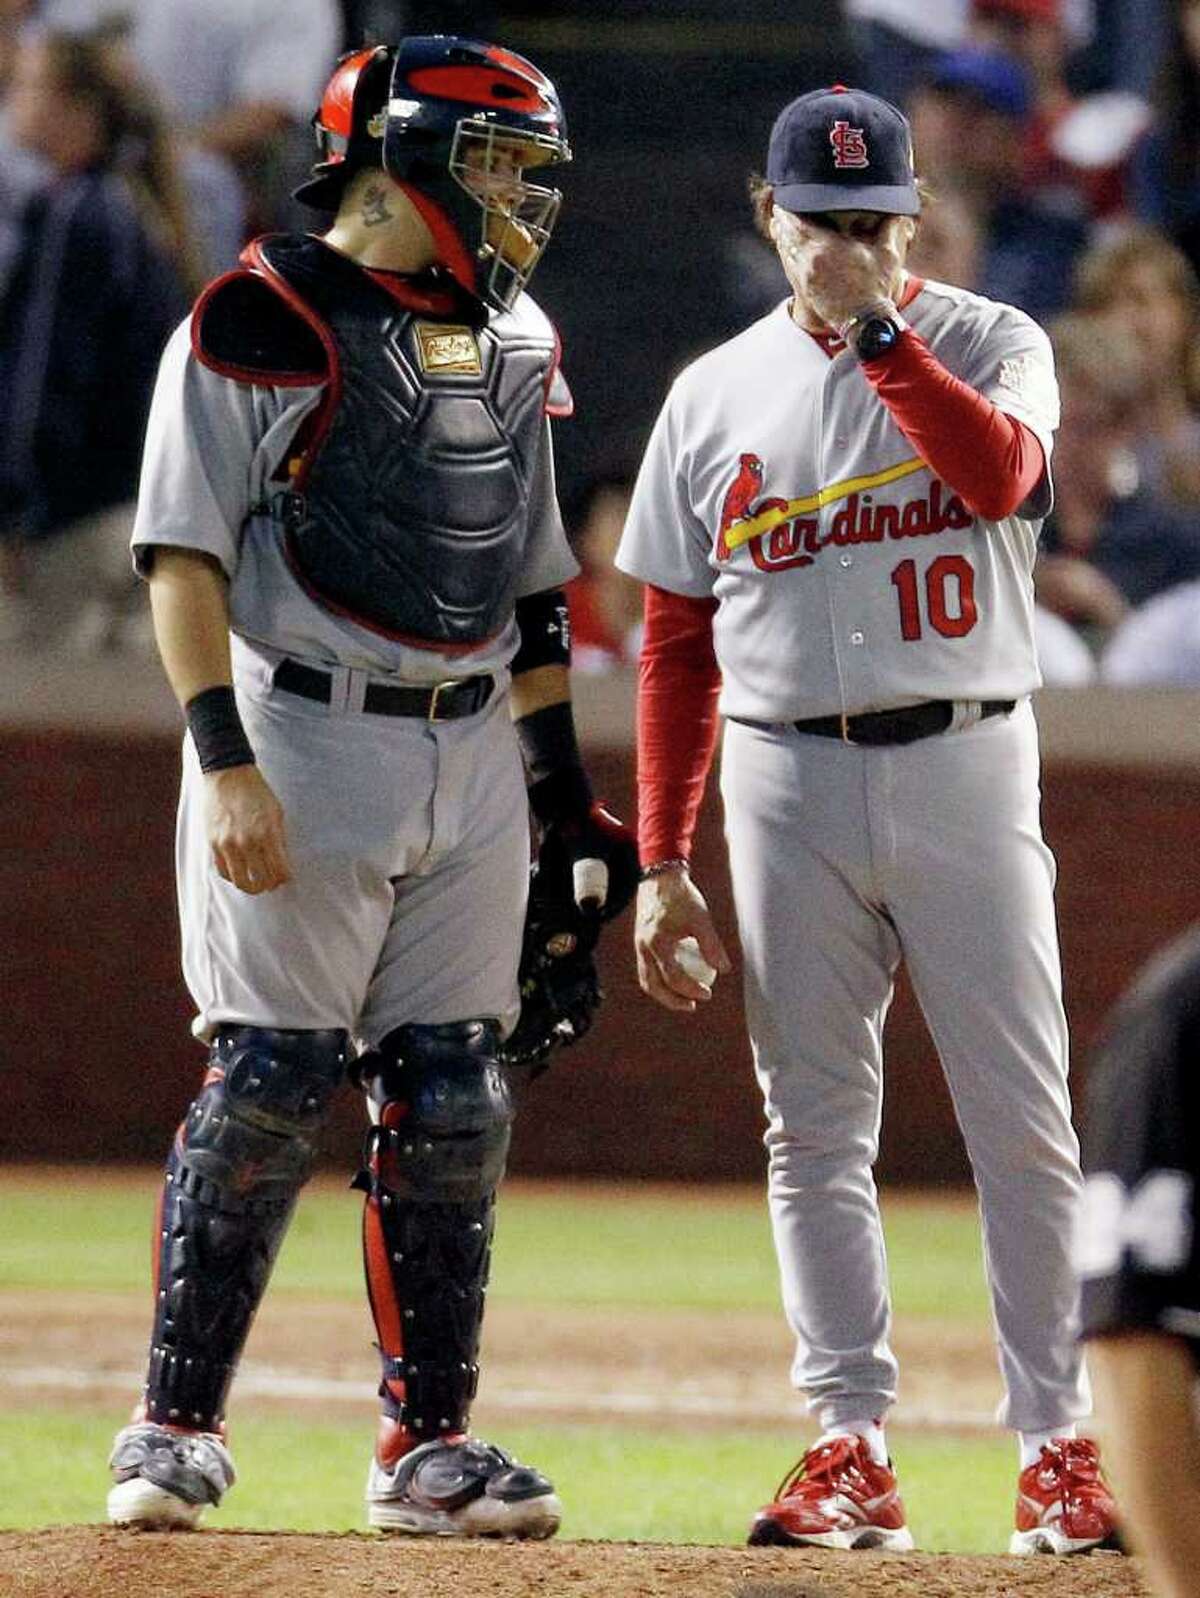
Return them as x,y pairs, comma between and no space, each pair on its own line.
842,149
997,80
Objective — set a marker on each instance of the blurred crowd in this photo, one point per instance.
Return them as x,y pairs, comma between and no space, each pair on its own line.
142,141
1059,145
1060,142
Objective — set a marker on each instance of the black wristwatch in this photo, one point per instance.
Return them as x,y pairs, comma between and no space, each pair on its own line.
875,336
874,331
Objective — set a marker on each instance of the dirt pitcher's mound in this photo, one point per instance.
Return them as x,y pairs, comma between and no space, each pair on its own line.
91,1562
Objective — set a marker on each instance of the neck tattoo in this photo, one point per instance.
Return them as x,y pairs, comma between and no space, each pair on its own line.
374,206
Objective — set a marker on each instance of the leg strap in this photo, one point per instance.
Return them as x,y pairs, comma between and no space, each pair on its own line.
245,1149
433,1162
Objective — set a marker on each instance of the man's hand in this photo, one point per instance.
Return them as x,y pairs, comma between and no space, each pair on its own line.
833,275
245,829
671,907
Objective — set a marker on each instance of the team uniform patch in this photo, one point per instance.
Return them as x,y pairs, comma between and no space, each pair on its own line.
1014,372
1028,378
446,350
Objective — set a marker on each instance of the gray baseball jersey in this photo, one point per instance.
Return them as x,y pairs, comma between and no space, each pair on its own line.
849,578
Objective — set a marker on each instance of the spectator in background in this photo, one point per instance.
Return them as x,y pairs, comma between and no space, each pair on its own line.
102,272
969,119
898,41
1166,173
605,605
1076,151
239,78
1139,278
1158,644
1109,542
948,246
1128,46
1064,658
22,172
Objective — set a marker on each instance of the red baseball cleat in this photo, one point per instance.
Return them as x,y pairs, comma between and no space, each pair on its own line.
836,1497
1063,1503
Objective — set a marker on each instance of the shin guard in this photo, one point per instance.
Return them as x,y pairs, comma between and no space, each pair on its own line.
434,1160
243,1152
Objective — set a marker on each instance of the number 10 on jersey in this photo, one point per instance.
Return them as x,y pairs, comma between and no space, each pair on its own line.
949,597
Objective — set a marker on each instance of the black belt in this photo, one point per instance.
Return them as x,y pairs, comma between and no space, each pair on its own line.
445,701
877,727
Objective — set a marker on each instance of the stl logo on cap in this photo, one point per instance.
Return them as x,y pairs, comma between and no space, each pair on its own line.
849,146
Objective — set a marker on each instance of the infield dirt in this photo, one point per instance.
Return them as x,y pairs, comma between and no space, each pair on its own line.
86,1562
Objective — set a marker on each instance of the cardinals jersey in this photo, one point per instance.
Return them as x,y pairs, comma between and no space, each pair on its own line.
849,577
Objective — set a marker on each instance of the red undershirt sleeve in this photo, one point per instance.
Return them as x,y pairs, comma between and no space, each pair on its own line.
678,685
990,460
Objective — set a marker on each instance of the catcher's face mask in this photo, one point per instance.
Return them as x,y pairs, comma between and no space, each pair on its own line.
516,217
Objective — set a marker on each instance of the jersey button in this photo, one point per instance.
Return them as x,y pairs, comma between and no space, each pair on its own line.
845,560
857,638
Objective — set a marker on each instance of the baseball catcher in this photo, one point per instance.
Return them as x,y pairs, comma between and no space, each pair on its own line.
355,558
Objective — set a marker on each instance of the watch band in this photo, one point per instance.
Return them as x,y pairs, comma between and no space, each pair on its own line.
868,326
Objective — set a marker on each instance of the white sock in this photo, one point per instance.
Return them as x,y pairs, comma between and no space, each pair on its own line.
871,1432
1031,1444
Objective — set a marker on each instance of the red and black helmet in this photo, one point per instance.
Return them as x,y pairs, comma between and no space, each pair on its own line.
457,123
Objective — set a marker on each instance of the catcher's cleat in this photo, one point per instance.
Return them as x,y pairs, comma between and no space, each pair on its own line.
461,1488
836,1497
1063,1502
166,1479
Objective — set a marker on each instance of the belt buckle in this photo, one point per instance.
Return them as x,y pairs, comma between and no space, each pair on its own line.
432,714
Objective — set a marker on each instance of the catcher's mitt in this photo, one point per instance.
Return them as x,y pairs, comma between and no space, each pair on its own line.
560,990
568,904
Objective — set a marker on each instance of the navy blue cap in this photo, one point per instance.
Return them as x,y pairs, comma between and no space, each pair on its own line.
842,149
997,80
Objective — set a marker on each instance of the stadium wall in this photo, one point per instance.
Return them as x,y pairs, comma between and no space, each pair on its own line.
96,1055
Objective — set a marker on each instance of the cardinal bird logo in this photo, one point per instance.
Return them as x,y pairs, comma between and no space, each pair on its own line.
737,506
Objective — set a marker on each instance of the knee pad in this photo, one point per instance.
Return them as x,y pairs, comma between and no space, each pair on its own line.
254,1124
442,1112
243,1152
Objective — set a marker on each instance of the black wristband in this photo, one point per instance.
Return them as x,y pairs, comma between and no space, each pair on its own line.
217,731
545,626
558,785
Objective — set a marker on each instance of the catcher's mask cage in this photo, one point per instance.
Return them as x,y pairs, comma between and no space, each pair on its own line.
457,123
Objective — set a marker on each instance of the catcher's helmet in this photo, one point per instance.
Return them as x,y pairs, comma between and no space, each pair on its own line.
456,123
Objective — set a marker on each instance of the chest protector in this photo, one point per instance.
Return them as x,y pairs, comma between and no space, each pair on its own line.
409,489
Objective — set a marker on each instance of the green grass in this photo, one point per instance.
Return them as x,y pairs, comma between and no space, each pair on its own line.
617,1484
631,1249
604,1246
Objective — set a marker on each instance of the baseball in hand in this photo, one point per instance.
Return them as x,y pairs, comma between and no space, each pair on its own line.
590,880
690,960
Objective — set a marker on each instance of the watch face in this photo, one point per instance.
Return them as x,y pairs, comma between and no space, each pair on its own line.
875,338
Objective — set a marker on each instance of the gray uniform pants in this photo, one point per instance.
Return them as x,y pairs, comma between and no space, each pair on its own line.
409,844
843,860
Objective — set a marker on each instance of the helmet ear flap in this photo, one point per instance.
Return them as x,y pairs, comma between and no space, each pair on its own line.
348,124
